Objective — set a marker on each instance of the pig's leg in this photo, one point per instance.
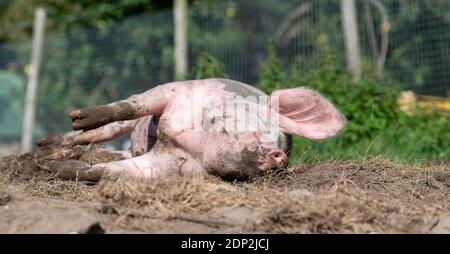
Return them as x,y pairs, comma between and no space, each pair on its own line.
101,134
160,161
151,102
156,163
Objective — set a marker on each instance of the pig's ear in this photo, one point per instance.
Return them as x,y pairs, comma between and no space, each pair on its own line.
306,113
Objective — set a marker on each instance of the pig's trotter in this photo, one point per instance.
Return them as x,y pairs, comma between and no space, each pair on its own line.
59,139
53,140
97,116
72,169
91,117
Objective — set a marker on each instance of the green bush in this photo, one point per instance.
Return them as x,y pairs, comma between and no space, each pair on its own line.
272,75
207,66
375,125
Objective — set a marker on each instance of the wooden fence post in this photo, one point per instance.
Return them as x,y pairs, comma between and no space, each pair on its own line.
351,38
32,84
181,43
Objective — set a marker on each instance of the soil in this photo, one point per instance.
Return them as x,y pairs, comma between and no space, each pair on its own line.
374,195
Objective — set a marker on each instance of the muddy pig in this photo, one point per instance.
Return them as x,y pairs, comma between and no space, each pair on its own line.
216,126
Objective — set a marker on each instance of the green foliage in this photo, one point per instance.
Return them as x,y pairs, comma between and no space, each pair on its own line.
109,60
375,125
420,30
417,48
19,14
424,134
207,66
13,87
272,76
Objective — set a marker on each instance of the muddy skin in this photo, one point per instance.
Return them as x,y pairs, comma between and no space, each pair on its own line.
72,169
168,140
51,141
61,140
96,116
244,90
249,160
240,89
230,169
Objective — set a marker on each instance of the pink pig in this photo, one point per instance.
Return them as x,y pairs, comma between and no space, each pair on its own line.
216,126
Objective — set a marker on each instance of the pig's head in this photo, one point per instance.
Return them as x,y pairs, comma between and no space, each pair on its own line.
243,155
296,111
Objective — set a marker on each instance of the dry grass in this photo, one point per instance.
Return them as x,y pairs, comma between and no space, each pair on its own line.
24,174
375,195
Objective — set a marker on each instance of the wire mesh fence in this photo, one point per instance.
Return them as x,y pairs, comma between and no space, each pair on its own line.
99,64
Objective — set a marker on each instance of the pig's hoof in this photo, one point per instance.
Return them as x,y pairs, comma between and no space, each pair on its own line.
53,140
91,117
72,169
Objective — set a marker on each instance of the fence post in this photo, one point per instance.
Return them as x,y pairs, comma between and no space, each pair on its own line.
351,39
32,84
181,47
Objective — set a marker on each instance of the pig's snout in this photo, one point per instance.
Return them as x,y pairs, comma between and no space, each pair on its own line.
275,159
280,158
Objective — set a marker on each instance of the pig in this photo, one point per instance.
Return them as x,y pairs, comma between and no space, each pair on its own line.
215,126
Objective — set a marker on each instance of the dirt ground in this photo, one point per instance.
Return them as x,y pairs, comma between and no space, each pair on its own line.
372,196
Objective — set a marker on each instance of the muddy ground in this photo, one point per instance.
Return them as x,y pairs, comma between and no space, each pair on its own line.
372,196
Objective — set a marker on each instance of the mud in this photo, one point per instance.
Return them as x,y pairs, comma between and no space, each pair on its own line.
370,196
95,116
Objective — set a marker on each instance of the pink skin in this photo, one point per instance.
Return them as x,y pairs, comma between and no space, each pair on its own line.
181,148
305,113
157,162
